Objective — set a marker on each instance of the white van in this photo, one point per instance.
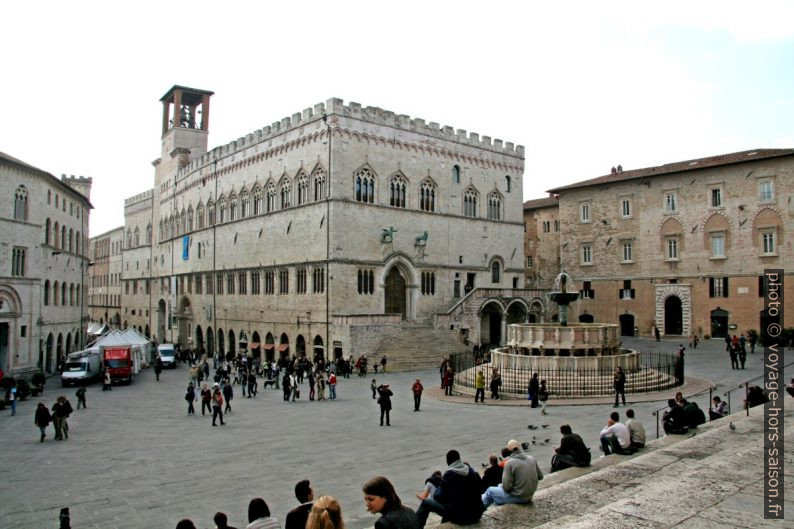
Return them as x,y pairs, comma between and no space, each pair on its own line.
167,355
81,367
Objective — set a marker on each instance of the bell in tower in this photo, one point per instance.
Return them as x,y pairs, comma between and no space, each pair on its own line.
186,108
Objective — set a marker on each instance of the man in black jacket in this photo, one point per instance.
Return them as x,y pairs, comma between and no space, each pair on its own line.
457,499
572,451
297,517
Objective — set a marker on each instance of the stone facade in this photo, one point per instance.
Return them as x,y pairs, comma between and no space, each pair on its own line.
339,211
104,277
681,246
43,237
541,242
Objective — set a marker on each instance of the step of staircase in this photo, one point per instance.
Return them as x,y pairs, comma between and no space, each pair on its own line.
414,346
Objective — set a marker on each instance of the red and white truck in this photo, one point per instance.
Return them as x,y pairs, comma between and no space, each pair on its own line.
117,360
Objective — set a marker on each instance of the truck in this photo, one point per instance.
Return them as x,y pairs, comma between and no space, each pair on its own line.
118,361
166,353
81,367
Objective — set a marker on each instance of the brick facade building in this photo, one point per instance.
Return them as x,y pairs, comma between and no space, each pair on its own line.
682,246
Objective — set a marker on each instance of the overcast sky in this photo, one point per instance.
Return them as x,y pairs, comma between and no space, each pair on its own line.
583,86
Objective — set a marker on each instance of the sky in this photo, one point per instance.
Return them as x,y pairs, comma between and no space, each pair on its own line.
584,86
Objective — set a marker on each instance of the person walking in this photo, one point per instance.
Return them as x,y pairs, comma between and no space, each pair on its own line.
320,385
417,390
158,368
80,394
733,351
228,394
384,400
217,405
479,386
383,364
543,396
106,381
11,396
312,381
374,387
286,386
332,386
190,397
206,400
60,413
619,383
534,388
42,419
496,383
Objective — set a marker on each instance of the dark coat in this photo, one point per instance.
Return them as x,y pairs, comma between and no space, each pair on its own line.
403,518
460,495
297,517
572,445
43,417
384,399
491,477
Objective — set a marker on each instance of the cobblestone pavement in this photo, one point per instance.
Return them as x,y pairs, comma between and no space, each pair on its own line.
134,459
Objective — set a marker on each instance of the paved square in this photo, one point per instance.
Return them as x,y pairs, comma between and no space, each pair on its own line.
134,459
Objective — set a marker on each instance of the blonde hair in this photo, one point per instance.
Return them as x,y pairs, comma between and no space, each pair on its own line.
325,514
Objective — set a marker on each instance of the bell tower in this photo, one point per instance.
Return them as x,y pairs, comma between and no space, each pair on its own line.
185,126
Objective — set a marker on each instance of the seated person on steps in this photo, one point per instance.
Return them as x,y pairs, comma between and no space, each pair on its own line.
615,437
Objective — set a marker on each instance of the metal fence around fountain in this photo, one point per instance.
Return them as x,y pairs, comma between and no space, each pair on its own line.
656,372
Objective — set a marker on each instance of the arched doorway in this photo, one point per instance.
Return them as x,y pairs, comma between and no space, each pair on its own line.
48,359
146,332
59,349
535,312
395,293
719,323
626,324
586,318
491,324
300,346
673,316
516,313
256,346
270,347
283,346
233,347
319,349
68,343
210,342
161,321
185,317
199,338
221,348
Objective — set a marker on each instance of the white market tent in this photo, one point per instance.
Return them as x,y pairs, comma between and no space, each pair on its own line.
141,347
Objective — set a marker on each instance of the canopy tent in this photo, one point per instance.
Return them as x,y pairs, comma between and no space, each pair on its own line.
97,329
140,346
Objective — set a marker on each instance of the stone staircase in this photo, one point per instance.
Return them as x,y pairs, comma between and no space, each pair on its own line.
414,346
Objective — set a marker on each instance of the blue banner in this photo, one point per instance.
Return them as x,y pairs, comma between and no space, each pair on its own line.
185,247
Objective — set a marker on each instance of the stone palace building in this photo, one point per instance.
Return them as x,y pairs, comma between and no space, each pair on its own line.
681,247
344,226
43,265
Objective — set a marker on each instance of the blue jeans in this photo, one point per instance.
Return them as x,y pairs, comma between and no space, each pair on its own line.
427,506
498,496
332,391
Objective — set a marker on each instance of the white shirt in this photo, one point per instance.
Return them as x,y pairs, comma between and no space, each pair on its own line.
620,431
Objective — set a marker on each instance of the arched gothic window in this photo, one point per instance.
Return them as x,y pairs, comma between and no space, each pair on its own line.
286,194
47,228
200,216
397,191
137,237
190,218
210,213
149,233
63,238
494,206
245,205
64,300
160,231
233,207
456,174
427,196
470,203
319,178
47,292
56,231
129,238
221,210
71,240
258,200
271,197
495,272
56,290
508,183
365,186
77,243
21,203
302,183
182,221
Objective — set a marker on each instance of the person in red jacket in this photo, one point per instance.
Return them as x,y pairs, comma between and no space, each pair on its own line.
417,389
332,386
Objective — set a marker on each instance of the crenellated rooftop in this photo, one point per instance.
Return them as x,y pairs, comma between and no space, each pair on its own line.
375,115
148,194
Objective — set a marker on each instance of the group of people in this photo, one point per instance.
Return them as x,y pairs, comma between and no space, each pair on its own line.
737,349
58,415
494,385
683,415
